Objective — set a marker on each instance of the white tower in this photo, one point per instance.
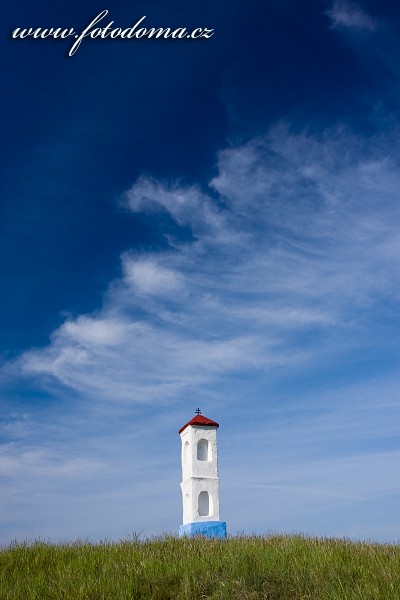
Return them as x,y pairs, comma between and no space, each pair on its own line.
200,482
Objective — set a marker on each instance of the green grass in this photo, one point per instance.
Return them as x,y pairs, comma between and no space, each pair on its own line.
273,568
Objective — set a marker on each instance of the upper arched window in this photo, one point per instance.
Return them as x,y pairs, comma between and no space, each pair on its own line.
186,452
203,450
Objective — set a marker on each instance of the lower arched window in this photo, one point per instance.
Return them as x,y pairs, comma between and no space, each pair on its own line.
204,504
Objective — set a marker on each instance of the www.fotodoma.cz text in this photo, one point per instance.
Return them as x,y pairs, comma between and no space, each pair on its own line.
136,31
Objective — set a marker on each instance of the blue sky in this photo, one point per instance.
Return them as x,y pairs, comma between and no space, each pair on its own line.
206,223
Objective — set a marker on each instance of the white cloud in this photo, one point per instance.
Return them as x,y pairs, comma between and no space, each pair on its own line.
89,331
350,15
150,277
186,206
36,462
302,238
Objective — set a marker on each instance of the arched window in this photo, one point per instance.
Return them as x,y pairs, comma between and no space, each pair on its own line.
187,503
186,452
203,450
204,504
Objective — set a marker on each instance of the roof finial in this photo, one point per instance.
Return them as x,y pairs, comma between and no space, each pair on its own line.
198,411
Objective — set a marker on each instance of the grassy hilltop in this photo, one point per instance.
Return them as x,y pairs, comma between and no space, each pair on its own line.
273,568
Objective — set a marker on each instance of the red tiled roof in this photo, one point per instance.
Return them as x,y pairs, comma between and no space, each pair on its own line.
199,420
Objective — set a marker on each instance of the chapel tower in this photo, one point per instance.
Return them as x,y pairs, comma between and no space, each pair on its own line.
200,482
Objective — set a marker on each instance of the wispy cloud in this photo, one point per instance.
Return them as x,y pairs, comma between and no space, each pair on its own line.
302,237
350,15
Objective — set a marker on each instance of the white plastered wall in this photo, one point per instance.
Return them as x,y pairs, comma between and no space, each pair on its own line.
199,475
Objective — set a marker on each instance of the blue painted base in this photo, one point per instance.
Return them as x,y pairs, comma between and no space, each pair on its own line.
211,529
